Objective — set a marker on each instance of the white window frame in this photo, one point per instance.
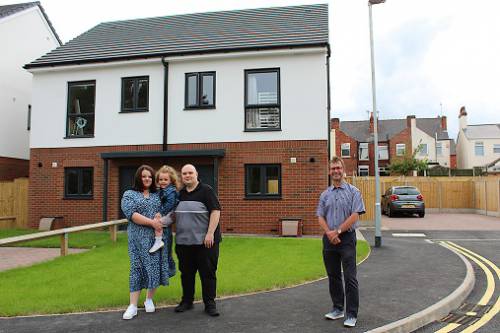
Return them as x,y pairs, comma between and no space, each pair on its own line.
439,148
400,146
345,146
478,145
423,149
386,149
496,148
364,145
364,168
385,169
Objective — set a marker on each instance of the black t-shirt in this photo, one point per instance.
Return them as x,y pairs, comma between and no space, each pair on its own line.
204,194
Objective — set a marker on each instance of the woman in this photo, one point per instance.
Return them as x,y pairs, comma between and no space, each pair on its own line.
147,271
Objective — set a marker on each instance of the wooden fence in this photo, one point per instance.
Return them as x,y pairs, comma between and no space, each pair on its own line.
441,194
14,203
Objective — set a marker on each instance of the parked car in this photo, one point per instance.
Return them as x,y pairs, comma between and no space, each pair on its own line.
403,199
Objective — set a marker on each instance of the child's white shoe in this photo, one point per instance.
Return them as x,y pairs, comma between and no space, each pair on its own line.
156,246
131,312
149,305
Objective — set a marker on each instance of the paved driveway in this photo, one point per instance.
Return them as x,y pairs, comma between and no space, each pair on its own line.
442,221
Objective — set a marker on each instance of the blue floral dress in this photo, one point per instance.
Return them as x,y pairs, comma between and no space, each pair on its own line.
147,270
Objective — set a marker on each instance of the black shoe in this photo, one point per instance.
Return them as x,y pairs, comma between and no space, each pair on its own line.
212,311
183,306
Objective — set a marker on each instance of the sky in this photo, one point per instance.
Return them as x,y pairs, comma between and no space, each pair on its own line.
431,56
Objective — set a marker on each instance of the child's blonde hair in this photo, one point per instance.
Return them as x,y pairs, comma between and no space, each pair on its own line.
174,179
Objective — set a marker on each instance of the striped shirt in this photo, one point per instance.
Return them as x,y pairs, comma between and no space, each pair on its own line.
336,204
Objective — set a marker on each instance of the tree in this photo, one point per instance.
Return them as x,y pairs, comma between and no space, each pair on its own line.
409,163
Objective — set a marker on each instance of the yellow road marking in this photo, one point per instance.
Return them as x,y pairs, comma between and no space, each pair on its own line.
492,265
471,313
448,328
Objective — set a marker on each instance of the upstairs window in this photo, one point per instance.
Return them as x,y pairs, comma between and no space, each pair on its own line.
363,151
383,152
78,183
263,181
496,149
135,94
81,108
479,148
200,90
422,149
400,149
262,100
345,150
439,149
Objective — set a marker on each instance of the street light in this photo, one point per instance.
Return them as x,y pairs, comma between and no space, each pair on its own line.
378,213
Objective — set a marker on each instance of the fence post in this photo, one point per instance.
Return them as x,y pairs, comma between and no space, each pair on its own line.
113,230
485,198
64,244
440,191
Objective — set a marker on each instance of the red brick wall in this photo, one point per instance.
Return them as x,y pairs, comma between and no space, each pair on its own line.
351,163
453,161
302,183
11,168
402,137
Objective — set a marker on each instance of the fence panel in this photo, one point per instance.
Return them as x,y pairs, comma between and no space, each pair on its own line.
14,203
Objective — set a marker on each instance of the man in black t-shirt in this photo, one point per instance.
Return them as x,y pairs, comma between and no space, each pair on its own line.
197,240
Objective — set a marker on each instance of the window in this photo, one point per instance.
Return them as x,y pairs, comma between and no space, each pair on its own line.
383,171
383,152
400,149
345,150
263,181
262,100
78,183
422,149
81,108
479,148
363,170
439,149
496,149
200,90
135,94
363,151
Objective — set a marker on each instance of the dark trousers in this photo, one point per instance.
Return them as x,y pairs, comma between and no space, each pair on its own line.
336,258
198,258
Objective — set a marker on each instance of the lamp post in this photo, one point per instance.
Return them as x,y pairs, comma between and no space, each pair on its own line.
378,212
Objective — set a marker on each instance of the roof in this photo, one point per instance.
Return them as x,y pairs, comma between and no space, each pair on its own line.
387,128
239,30
8,10
485,131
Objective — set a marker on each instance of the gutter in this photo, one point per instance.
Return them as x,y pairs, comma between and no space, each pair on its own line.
165,104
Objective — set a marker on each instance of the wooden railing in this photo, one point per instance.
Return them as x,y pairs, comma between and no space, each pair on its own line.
64,234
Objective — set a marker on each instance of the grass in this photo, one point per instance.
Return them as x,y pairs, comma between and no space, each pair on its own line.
98,279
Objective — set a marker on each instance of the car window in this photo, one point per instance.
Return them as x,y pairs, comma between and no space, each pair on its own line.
406,191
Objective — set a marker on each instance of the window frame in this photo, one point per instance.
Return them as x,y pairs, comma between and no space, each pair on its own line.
342,150
263,167
365,167
478,144
135,98
421,151
387,150
398,146
367,149
199,85
277,105
68,106
78,196
496,146
439,149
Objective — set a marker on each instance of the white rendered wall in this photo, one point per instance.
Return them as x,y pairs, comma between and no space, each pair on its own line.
420,137
468,156
303,103
462,150
24,37
444,159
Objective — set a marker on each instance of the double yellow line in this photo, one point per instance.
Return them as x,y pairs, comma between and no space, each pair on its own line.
488,294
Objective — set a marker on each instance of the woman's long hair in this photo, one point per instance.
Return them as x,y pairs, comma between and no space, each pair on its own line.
138,185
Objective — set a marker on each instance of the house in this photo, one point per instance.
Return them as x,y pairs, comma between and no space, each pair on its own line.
25,34
353,141
226,91
477,145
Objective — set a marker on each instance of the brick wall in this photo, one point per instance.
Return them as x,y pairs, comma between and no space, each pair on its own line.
302,183
351,163
453,161
11,168
402,137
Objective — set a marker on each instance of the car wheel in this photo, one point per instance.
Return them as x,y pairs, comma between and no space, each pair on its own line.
421,214
389,211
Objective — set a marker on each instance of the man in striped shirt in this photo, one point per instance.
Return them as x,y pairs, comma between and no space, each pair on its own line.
338,211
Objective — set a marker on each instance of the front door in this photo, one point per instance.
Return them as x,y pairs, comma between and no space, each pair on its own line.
206,175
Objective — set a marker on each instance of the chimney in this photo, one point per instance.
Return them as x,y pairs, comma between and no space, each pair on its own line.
443,123
371,123
335,123
462,118
409,120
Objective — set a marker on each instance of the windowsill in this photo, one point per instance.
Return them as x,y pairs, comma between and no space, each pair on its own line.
263,197
364,160
78,197
191,108
262,130
78,136
133,111
345,156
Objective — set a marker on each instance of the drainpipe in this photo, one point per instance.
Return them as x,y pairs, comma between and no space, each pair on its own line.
328,103
165,103
105,190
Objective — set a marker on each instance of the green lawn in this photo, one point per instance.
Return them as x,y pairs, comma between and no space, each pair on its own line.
98,279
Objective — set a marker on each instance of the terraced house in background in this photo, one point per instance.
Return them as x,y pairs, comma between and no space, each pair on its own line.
243,95
353,141
25,34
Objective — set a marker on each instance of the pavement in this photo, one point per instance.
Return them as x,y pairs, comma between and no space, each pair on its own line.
14,257
405,277
472,222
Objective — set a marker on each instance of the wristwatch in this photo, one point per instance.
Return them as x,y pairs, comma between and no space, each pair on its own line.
339,231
